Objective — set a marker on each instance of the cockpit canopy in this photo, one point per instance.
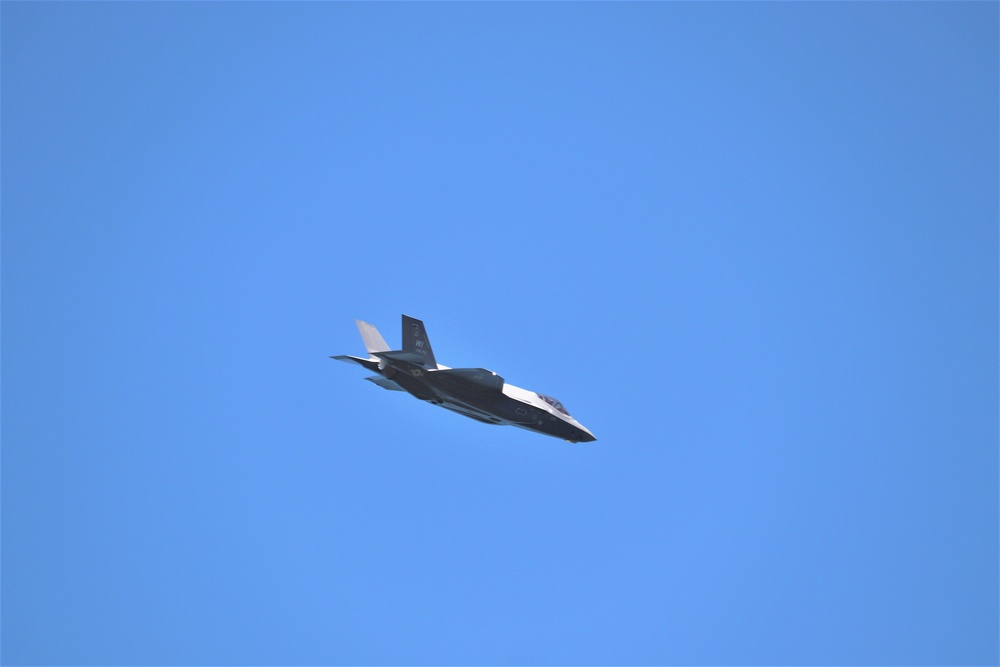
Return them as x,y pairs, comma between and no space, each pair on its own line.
554,403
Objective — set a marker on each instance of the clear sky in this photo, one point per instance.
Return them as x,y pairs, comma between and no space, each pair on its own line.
752,247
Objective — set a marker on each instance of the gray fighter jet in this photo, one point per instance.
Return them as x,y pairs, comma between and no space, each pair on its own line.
474,392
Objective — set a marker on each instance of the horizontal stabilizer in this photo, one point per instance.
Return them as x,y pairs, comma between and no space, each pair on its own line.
401,355
367,363
385,383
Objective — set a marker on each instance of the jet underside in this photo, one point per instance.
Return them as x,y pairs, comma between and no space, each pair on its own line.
477,393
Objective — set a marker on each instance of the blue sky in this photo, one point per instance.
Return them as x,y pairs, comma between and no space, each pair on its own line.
753,247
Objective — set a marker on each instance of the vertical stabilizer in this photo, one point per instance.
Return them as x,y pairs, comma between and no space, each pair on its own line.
373,339
415,341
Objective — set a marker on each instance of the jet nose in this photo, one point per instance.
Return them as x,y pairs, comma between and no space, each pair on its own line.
586,436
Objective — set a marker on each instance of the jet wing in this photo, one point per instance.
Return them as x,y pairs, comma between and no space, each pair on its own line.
470,379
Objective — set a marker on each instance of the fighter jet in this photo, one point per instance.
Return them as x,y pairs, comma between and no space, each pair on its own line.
474,392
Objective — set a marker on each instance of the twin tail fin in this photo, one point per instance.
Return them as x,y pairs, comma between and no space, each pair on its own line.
416,344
